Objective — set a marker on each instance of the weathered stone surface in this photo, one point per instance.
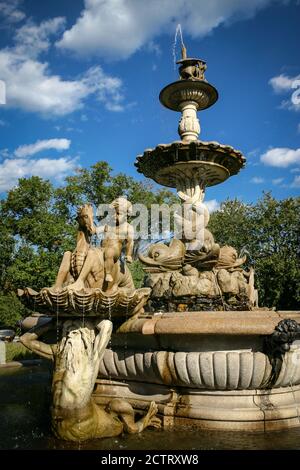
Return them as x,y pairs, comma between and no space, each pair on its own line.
206,290
95,267
231,323
2,352
219,370
86,303
76,356
234,410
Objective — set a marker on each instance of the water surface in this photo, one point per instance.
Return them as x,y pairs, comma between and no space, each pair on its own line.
24,424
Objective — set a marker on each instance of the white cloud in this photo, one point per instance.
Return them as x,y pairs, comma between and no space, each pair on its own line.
282,83
154,47
39,145
118,28
4,153
9,10
257,180
13,169
31,86
253,153
295,170
32,39
212,205
296,182
277,181
281,157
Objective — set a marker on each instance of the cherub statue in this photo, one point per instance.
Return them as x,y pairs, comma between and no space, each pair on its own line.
116,235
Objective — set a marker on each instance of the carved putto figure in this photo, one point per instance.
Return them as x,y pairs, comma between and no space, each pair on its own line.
117,235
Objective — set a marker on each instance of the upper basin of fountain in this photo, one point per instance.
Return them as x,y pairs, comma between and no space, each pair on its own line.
190,161
199,91
211,161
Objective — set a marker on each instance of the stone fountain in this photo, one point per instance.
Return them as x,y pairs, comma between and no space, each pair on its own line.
192,347
92,288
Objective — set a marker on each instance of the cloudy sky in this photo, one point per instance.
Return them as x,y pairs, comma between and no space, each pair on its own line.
83,77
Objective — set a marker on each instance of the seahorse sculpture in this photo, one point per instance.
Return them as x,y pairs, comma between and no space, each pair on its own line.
77,356
72,262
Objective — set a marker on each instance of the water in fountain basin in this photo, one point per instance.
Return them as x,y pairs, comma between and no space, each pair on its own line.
109,317
57,324
126,335
83,315
26,426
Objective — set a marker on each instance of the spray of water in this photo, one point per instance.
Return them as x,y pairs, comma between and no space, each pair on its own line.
178,32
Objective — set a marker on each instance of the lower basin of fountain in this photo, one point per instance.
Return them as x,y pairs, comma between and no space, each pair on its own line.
208,370
24,425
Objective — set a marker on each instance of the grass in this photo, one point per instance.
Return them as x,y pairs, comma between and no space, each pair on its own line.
18,352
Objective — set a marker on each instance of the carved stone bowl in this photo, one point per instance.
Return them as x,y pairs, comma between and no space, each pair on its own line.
209,162
88,302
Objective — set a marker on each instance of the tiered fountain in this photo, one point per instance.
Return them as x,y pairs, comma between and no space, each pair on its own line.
195,346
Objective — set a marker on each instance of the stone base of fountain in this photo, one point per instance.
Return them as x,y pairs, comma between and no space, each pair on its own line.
194,303
207,369
238,410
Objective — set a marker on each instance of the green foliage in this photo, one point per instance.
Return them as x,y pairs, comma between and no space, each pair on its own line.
31,215
231,225
11,310
137,273
18,352
270,232
31,267
7,245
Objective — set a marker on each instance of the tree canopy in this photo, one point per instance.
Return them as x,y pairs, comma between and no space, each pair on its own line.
269,233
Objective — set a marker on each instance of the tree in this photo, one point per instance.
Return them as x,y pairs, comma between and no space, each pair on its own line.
7,245
277,251
270,232
11,310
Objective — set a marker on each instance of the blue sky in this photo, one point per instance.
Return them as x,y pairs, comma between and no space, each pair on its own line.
83,78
